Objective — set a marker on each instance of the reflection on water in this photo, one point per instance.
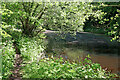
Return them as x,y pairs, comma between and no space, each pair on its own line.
99,48
109,62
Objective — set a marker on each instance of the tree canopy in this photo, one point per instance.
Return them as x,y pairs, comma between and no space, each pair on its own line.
31,18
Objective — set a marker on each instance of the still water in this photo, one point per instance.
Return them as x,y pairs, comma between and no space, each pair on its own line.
77,47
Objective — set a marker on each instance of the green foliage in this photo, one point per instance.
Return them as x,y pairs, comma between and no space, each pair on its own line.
25,16
94,29
107,23
0,63
34,17
4,25
112,19
8,54
57,68
66,16
31,49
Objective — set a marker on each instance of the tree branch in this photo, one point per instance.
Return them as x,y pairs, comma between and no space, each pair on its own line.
38,32
22,22
35,9
32,4
39,16
39,12
42,13
24,7
110,5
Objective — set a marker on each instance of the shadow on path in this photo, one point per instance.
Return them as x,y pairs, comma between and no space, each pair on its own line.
16,74
17,65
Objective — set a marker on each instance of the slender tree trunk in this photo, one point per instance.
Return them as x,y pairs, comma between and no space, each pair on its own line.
17,50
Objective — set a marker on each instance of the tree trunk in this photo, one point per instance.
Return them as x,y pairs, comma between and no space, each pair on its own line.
17,50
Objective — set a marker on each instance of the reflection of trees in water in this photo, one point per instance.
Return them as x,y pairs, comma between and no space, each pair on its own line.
100,50
54,42
93,43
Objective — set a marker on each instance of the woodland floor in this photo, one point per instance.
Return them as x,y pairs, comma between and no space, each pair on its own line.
16,70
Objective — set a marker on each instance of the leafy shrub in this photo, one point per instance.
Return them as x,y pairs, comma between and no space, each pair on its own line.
0,63
57,68
7,58
31,49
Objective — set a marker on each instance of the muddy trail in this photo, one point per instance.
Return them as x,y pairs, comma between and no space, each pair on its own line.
16,70
16,75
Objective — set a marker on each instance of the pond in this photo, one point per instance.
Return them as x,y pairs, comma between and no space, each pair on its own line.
77,47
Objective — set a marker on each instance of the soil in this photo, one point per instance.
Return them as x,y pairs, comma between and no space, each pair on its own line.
16,70
17,65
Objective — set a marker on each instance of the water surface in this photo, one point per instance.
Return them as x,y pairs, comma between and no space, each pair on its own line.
76,48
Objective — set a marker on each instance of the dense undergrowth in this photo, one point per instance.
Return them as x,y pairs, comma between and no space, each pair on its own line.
31,49
8,54
35,65
57,68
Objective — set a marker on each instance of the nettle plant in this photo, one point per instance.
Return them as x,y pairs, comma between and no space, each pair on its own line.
57,68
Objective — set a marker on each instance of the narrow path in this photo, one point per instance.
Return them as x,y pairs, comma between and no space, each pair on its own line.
16,71
17,65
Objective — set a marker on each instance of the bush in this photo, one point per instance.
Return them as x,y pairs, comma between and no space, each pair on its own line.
31,49
0,63
7,58
57,68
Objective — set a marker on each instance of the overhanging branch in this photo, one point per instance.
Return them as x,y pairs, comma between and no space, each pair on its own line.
22,22
110,5
24,7
39,16
35,9
42,13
